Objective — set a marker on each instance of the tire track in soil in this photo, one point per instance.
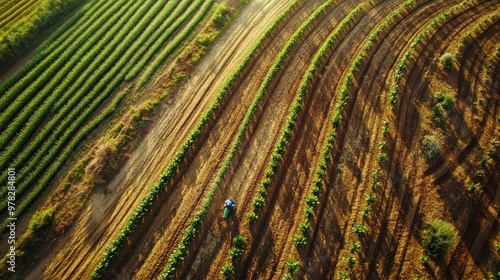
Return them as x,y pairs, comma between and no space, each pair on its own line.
82,246
405,151
248,171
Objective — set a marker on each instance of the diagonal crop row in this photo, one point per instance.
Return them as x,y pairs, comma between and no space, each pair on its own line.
175,260
79,100
297,107
113,249
54,168
32,77
64,128
162,55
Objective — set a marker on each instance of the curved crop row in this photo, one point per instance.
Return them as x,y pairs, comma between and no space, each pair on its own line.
113,249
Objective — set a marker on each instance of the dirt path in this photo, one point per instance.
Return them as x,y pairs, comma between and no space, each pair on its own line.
81,248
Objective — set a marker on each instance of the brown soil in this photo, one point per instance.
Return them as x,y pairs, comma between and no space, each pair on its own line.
414,192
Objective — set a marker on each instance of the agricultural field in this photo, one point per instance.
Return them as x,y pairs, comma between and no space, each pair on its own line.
359,140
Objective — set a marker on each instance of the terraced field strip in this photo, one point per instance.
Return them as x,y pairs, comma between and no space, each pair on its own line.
86,83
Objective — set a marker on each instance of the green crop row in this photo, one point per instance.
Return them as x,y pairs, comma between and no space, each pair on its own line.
89,92
175,259
54,168
162,55
297,107
477,31
113,249
21,89
68,121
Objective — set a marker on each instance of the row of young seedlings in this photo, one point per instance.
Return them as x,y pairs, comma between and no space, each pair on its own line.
175,259
73,119
408,57
258,200
114,248
63,124
25,129
312,200
471,36
236,254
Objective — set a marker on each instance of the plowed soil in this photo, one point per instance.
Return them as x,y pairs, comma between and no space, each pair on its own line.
414,192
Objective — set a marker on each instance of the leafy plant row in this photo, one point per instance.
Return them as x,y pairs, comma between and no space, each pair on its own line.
54,128
32,78
175,260
162,55
88,92
113,249
53,169
258,200
236,254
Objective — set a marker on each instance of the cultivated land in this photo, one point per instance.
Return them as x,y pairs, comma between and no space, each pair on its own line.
311,115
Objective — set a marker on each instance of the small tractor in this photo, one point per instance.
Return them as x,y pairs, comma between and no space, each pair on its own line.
229,206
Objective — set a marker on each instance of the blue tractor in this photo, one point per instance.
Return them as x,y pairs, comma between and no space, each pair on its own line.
229,206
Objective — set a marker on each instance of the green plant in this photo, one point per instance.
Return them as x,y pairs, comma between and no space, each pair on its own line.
292,266
239,241
308,212
382,157
474,187
424,260
300,241
343,275
351,261
370,198
495,275
366,211
312,201
430,147
305,227
437,110
479,174
445,100
236,254
447,61
258,202
438,238
227,271
355,246
359,229
252,217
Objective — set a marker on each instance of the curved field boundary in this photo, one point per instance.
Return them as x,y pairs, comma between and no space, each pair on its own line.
147,201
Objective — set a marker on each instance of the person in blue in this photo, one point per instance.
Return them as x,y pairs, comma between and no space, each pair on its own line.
229,205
